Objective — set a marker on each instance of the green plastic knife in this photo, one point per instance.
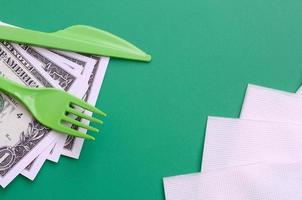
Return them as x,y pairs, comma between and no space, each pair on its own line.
79,38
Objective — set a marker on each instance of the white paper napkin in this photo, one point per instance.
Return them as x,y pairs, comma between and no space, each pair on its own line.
279,143
232,142
239,139
252,182
268,104
232,147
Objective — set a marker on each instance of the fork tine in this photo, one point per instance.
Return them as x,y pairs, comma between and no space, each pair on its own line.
87,106
77,123
82,115
74,133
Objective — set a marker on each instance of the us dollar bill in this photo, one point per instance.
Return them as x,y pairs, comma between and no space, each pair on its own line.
93,69
22,138
64,73
60,70
87,66
32,170
73,145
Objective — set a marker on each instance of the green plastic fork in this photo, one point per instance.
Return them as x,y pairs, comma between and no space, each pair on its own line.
52,107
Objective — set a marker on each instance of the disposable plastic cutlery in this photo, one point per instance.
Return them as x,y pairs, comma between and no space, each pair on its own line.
53,108
79,38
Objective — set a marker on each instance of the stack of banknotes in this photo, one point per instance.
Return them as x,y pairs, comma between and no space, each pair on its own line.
24,143
255,157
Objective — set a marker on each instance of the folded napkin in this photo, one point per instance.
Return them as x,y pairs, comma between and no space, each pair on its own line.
237,139
233,142
251,182
272,134
267,104
233,167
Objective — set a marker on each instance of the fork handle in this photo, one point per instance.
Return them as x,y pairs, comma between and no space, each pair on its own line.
13,89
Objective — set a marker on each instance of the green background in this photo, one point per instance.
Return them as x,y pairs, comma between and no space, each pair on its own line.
204,54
